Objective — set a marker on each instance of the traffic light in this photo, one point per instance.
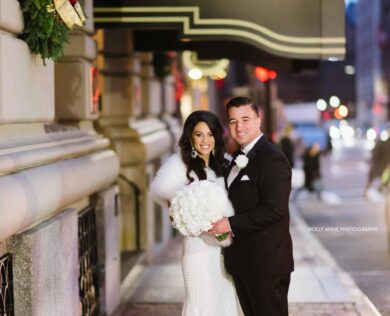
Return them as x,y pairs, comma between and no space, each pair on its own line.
264,74
326,115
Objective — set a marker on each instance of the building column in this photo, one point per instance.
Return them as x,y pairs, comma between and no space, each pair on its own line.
108,226
52,160
131,107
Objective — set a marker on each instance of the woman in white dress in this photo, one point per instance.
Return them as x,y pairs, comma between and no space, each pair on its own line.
209,290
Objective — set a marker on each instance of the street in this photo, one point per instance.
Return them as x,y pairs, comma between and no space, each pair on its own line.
354,230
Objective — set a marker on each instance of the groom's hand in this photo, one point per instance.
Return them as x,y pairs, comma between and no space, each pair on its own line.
220,227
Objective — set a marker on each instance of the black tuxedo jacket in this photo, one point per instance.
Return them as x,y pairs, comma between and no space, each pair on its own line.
262,245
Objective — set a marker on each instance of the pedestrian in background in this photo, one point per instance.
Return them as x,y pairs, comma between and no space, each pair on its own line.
286,145
380,157
312,170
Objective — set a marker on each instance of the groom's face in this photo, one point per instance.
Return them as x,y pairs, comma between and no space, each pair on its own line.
244,124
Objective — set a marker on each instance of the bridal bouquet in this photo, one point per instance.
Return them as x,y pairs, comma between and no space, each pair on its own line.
196,207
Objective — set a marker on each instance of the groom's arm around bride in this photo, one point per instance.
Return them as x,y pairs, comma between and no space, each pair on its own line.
260,258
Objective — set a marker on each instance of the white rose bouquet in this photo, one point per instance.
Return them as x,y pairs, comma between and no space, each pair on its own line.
196,207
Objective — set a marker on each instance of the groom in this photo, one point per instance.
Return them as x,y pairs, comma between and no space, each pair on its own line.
260,257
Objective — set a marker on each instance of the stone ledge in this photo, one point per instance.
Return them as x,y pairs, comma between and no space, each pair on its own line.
16,159
29,196
16,136
157,144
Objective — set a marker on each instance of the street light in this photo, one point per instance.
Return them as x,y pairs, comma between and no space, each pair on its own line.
371,134
334,101
219,75
195,74
347,131
343,110
349,70
321,104
334,132
384,135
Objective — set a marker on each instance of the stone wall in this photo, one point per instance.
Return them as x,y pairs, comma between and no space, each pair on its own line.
53,163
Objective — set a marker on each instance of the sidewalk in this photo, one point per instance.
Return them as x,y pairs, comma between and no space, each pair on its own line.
318,285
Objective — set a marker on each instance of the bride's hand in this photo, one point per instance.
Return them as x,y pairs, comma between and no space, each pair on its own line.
220,227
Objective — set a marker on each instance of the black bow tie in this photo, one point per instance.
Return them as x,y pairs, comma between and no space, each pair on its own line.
237,153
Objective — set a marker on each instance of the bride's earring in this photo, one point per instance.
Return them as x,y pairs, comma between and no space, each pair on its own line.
213,152
194,154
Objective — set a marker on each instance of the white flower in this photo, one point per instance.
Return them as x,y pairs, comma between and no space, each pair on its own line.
241,161
197,206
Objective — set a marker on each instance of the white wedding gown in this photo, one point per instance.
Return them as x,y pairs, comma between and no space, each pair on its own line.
209,289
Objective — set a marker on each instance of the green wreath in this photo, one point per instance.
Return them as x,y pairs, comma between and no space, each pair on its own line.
47,24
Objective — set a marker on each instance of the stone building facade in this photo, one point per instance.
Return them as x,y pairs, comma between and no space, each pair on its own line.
75,215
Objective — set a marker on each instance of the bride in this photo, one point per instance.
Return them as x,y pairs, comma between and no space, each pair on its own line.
209,290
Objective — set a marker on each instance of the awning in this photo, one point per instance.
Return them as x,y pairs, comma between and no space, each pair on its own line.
169,40
299,29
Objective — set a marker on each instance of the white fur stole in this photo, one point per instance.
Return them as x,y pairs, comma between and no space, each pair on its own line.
170,178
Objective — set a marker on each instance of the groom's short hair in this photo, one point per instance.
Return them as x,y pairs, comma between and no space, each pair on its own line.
241,101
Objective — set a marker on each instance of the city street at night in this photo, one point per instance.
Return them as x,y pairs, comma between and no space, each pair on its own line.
212,158
354,231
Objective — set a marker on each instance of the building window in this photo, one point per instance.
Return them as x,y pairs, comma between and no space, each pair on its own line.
88,262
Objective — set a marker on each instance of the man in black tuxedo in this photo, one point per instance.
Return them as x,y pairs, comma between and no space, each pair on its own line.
260,257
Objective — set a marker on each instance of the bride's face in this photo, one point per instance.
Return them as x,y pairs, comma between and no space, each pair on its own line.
203,140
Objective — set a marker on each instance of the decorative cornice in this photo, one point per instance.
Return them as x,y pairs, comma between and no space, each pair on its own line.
24,146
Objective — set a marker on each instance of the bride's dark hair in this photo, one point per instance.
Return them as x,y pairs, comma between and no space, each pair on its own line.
197,164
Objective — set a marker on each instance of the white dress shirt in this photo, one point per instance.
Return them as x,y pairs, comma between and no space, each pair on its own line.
248,147
235,170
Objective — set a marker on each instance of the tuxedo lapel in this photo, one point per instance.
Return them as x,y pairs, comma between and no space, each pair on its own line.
227,172
239,175
260,143
251,154
229,168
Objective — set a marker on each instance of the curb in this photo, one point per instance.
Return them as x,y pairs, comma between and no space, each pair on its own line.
127,286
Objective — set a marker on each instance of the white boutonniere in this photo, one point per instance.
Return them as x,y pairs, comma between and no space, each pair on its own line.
241,161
